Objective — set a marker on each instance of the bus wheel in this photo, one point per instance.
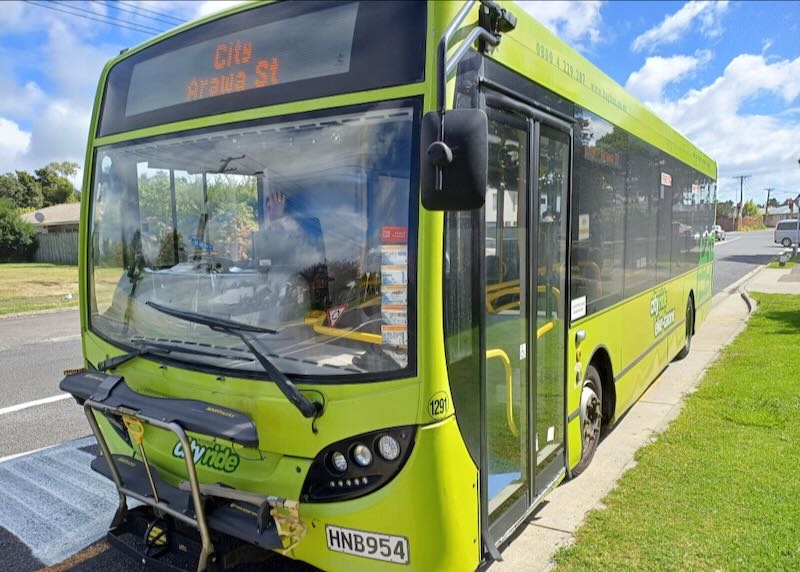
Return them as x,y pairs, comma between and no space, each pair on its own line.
591,416
687,346
787,242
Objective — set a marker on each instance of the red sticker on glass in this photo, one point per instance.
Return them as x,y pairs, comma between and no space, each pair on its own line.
334,314
394,234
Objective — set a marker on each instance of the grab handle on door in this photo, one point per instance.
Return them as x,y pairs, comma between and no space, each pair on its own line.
503,357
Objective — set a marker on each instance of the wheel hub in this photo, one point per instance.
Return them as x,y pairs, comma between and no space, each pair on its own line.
591,413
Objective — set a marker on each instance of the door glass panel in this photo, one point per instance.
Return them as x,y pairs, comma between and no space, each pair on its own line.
507,321
551,235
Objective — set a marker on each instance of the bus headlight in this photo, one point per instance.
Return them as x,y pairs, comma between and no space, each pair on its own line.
339,461
377,458
388,447
362,455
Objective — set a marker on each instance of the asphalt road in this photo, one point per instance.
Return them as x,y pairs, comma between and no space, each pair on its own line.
34,351
740,253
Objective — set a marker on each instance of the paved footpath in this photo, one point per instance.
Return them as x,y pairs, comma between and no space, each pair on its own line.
555,523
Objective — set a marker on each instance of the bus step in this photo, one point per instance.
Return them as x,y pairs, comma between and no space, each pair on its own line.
232,518
158,545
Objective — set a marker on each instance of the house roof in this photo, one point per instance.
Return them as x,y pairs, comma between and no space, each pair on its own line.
779,210
68,213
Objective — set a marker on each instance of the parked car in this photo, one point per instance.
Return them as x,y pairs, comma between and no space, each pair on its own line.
718,232
786,232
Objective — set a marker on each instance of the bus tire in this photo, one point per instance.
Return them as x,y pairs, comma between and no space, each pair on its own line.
687,344
591,417
787,242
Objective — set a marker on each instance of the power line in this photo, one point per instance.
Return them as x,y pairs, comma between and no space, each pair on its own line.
56,8
113,20
157,13
137,11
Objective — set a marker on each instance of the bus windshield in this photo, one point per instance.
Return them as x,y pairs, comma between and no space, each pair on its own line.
301,227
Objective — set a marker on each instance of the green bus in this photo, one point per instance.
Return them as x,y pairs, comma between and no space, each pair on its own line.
362,281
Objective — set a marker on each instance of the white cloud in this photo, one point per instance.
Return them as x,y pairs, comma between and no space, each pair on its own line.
59,134
20,101
575,21
708,14
648,83
48,119
13,142
764,146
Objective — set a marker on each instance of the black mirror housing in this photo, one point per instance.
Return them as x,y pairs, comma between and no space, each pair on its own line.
463,158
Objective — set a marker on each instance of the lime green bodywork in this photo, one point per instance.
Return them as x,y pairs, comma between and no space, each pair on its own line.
433,501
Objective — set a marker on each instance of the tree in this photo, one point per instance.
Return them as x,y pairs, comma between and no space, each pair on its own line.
47,186
64,168
725,209
17,237
56,187
750,208
32,196
11,189
773,203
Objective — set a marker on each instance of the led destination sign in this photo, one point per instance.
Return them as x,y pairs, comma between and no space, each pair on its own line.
264,55
311,45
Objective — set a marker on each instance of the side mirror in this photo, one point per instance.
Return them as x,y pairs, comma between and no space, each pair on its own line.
462,159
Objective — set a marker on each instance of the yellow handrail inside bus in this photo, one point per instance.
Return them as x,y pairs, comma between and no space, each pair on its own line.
497,353
316,319
544,329
495,291
503,357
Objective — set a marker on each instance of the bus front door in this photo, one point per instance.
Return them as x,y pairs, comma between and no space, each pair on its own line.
524,234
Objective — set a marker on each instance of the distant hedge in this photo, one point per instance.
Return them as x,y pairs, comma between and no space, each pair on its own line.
17,238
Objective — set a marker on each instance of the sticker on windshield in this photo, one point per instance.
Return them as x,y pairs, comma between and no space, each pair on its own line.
394,234
334,314
394,315
394,275
394,335
394,255
393,295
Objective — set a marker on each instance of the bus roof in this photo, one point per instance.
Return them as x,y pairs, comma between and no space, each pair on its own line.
535,52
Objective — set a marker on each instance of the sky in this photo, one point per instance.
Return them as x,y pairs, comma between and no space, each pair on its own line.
725,74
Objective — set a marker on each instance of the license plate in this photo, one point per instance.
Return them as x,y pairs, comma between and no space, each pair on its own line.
368,544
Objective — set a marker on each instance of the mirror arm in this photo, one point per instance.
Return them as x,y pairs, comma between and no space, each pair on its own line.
447,67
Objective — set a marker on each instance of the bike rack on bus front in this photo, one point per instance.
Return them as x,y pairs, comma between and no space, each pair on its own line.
131,418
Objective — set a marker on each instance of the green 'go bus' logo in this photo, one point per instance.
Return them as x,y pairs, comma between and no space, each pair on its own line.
663,318
217,457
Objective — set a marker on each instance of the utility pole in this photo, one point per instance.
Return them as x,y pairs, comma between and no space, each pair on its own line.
738,222
766,205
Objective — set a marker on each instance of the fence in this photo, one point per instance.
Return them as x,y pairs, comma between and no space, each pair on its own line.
58,247
729,224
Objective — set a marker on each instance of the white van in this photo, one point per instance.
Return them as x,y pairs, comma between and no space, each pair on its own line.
786,232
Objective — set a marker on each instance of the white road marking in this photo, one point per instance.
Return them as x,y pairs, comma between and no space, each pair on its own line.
63,338
53,502
18,455
34,403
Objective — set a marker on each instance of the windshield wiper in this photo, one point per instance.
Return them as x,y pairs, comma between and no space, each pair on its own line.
246,333
115,361
162,349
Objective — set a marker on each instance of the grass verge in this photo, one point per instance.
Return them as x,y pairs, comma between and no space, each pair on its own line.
719,489
29,287
776,264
